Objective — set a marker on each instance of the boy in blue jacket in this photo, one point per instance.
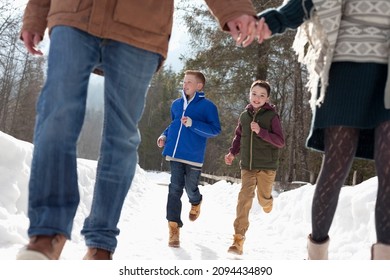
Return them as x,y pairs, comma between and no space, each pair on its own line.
194,120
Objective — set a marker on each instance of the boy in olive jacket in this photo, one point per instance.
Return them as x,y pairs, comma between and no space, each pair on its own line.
258,137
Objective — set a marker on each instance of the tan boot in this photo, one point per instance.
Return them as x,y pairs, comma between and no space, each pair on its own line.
194,212
317,251
380,251
43,247
98,254
238,244
174,234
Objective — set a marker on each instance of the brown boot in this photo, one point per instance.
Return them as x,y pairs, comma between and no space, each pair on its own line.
238,243
194,212
43,247
380,251
317,251
97,254
174,234
267,209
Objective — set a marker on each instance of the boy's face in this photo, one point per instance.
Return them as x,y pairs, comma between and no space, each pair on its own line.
258,97
191,85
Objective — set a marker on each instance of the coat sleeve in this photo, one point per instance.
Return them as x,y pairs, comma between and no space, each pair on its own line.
35,16
288,16
235,147
275,136
226,10
211,127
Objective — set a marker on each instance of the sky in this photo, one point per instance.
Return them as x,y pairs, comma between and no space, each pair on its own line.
277,236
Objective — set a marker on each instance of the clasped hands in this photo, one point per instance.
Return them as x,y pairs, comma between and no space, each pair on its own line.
245,29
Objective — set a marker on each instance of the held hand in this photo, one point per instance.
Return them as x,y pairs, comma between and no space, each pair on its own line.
255,127
243,30
229,158
31,41
262,31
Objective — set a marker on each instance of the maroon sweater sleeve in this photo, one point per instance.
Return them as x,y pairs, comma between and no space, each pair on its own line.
235,148
275,137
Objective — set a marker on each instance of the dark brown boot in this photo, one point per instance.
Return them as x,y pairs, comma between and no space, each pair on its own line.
97,254
43,247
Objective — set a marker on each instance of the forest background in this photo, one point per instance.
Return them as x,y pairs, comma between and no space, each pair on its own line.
229,71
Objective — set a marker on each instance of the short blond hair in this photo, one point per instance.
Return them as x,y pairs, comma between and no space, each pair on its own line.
199,75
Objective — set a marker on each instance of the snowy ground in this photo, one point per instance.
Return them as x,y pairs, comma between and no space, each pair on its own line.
280,235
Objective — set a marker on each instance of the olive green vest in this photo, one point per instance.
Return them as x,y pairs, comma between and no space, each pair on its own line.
255,152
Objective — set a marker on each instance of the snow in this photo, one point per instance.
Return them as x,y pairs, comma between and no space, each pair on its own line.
279,235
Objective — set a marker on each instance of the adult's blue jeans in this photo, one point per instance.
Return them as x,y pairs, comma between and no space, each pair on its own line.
183,176
53,187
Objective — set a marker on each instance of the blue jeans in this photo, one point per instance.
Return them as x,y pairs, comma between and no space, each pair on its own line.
182,176
53,187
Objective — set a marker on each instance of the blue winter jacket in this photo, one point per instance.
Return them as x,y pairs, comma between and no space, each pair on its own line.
189,143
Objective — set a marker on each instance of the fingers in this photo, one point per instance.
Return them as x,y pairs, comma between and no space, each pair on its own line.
262,31
250,34
31,40
245,29
242,29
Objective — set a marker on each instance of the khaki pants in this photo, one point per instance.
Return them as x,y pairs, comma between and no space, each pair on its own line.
259,180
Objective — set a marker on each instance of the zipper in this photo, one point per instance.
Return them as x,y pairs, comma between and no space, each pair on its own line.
251,142
185,105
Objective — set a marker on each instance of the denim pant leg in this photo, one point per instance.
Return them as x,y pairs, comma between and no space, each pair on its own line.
192,184
175,192
53,187
128,72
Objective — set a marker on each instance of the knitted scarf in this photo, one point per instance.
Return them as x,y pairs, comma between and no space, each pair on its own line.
314,44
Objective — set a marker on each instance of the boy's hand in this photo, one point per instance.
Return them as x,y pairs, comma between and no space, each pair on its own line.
229,158
187,121
255,127
161,141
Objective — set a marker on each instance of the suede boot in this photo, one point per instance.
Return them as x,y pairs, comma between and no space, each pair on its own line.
380,251
174,234
238,244
194,212
317,251
97,254
43,247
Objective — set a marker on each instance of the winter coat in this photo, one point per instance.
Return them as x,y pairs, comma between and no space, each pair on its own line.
189,143
145,24
258,151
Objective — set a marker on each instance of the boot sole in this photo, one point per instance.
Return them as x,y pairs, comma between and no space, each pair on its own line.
235,251
31,255
174,245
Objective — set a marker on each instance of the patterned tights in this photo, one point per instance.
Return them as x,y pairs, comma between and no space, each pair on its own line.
340,148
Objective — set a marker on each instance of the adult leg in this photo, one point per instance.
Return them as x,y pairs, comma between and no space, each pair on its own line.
381,250
128,72
340,147
53,187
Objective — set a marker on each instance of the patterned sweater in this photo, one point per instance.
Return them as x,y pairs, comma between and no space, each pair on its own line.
335,30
